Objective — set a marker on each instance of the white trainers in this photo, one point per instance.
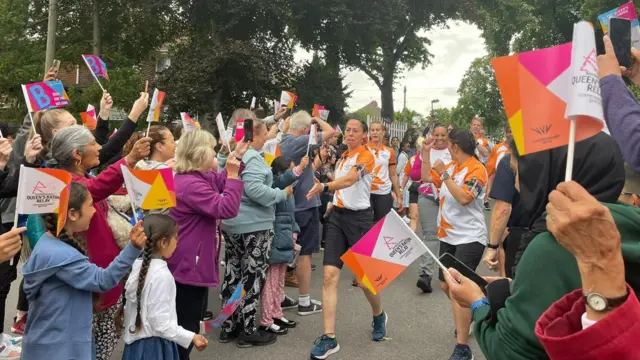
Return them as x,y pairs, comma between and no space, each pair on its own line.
406,219
9,352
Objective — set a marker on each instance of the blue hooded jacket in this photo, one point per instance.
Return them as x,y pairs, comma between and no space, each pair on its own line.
58,282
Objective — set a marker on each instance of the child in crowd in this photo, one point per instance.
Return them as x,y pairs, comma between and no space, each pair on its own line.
59,281
151,322
286,231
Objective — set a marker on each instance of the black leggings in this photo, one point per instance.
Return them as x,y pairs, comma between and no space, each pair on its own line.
190,307
381,205
8,273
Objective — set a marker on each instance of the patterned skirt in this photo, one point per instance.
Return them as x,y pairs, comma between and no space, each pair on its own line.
153,348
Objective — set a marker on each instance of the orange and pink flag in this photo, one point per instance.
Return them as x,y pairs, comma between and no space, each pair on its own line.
188,123
150,189
384,252
89,119
320,112
542,90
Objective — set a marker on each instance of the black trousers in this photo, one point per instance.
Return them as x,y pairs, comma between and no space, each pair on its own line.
190,307
511,245
381,205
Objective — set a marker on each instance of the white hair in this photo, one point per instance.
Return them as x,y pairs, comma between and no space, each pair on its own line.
299,121
66,141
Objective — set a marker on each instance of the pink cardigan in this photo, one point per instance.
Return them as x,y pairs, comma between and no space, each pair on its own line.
101,245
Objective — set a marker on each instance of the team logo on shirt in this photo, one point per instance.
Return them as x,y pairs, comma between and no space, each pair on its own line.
474,187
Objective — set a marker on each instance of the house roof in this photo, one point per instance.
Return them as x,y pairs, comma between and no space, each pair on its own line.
372,109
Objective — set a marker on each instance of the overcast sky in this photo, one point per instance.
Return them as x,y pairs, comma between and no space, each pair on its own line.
454,49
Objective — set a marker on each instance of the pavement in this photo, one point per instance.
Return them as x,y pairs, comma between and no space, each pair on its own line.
420,325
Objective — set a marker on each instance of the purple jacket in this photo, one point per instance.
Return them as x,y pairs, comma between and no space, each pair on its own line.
622,113
200,205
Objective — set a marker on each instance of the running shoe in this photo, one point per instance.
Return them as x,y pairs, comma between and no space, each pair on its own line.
12,340
424,283
461,352
324,347
379,327
258,338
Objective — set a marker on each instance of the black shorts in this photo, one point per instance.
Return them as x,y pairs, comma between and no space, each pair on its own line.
309,237
469,254
344,229
413,192
511,245
381,205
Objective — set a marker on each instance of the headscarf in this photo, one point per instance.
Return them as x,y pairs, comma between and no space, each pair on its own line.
598,166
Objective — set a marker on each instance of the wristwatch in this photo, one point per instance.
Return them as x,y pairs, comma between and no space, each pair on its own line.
598,302
325,187
492,246
444,176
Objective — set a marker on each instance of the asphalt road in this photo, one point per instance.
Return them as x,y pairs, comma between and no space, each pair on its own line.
420,325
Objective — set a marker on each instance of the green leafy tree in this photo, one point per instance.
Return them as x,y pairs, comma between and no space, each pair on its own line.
318,83
381,38
479,96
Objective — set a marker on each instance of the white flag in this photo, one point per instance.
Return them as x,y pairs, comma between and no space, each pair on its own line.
253,103
224,137
313,135
584,97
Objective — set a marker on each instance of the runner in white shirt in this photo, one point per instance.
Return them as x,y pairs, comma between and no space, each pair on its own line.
350,219
461,225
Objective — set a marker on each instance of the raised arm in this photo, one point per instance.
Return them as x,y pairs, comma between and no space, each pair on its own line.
83,275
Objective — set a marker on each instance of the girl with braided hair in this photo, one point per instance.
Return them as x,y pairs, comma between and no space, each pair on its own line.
59,281
151,322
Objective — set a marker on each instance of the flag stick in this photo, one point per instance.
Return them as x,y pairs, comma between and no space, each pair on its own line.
435,258
94,75
15,215
33,125
148,127
1,136
572,146
29,110
146,86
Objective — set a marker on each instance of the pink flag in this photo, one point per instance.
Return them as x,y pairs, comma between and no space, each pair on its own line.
96,65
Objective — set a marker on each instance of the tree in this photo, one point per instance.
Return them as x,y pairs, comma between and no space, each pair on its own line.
406,116
379,37
320,84
479,96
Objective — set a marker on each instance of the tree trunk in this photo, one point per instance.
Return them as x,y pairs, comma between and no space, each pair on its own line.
386,93
97,35
51,34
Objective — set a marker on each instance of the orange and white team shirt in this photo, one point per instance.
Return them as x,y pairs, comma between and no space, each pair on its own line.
356,196
497,153
409,167
459,224
385,158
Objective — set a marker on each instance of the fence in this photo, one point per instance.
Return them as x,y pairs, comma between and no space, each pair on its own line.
395,129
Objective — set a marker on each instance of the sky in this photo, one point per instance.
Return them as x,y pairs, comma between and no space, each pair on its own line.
453,51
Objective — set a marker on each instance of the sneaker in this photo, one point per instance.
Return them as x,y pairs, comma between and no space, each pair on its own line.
9,352
313,267
291,280
208,315
19,325
379,327
324,347
313,308
258,338
406,220
12,340
354,282
424,283
275,329
288,303
461,352
226,336
285,323
486,206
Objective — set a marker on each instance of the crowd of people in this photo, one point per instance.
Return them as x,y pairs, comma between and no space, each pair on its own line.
567,252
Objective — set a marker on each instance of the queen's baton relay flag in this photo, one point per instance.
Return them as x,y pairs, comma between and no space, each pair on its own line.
45,95
288,99
188,123
89,119
321,112
156,106
384,252
544,88
224,136
150,189
43,191
229,308
625,11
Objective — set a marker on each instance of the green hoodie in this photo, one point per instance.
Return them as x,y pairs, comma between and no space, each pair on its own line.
546,273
